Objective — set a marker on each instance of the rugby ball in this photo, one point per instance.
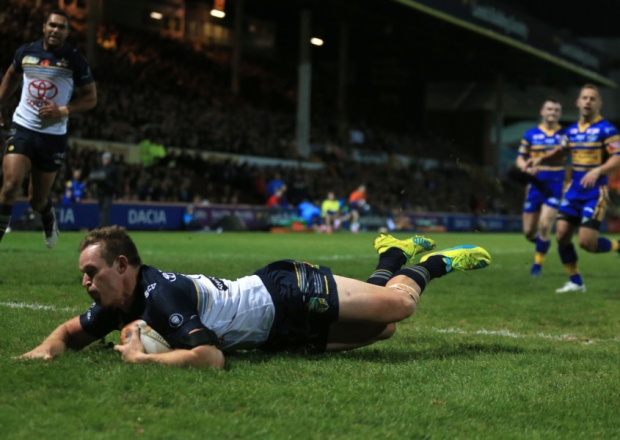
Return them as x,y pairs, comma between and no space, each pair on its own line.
153,342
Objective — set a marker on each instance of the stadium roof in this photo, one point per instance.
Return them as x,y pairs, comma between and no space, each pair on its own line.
431,38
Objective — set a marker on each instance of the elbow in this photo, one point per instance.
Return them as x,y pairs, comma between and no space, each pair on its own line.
208,356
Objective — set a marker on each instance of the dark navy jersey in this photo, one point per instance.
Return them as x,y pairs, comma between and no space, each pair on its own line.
51,76
168,302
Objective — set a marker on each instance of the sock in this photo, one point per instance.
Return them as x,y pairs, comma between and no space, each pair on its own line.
47,217
389,262
423,273
542,247
607,245
568,256
5,218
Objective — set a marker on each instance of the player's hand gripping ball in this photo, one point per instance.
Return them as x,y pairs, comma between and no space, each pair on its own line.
153,342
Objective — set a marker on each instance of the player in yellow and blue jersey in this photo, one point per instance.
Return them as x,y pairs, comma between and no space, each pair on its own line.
544,191
594,145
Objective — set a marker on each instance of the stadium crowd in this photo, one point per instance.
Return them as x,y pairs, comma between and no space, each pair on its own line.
167,91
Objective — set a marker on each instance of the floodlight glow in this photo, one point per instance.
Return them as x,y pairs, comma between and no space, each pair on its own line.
316,41
157,15
218,14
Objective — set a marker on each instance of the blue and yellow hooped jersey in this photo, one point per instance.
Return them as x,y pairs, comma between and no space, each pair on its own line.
537,142
590,145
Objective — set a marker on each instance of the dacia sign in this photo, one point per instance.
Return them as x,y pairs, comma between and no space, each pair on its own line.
150,217
147,216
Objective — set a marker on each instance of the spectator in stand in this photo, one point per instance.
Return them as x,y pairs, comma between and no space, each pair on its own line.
75,189
357,204
311,214
274,184
190,222
278,200
330,213
106,179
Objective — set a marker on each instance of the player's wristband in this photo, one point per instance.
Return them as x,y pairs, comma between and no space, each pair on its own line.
64,111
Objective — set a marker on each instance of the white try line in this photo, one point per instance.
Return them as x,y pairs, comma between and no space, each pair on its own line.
509,334
483,332
21,305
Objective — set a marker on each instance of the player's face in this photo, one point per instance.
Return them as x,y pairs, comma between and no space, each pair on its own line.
55,31
589,103
551,112
102,282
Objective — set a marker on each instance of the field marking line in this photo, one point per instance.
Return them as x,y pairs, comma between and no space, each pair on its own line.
507,333
452,330
22,305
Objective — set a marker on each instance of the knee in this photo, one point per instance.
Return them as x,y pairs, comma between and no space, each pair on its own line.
37,204
588,245
10,189
388,332
405,308
530,234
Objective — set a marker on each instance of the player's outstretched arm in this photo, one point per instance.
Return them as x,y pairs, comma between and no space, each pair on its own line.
548,157
67,335
201,356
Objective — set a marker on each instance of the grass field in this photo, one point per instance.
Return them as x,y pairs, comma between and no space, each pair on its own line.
490,354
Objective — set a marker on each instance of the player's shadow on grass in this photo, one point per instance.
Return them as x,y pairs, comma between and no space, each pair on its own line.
385,355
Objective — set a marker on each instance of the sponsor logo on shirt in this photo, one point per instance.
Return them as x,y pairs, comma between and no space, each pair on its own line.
219,284
42,89
149,289
30,60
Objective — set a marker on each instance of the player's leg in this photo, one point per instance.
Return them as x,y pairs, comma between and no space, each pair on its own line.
530,225
589,238
565,228
40,186
546,221
14,169
394,253
355,218
352,335
531,212
366,311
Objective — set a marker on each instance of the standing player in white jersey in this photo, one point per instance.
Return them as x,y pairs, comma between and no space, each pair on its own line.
37,140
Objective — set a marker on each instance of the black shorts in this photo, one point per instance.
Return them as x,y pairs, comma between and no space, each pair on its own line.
45,151
306,303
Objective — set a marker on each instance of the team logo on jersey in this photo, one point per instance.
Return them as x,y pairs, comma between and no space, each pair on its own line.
318,305
45,63
175,320
30,60
169,276
42,89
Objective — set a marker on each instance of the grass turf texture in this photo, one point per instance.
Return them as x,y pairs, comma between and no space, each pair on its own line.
489,354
